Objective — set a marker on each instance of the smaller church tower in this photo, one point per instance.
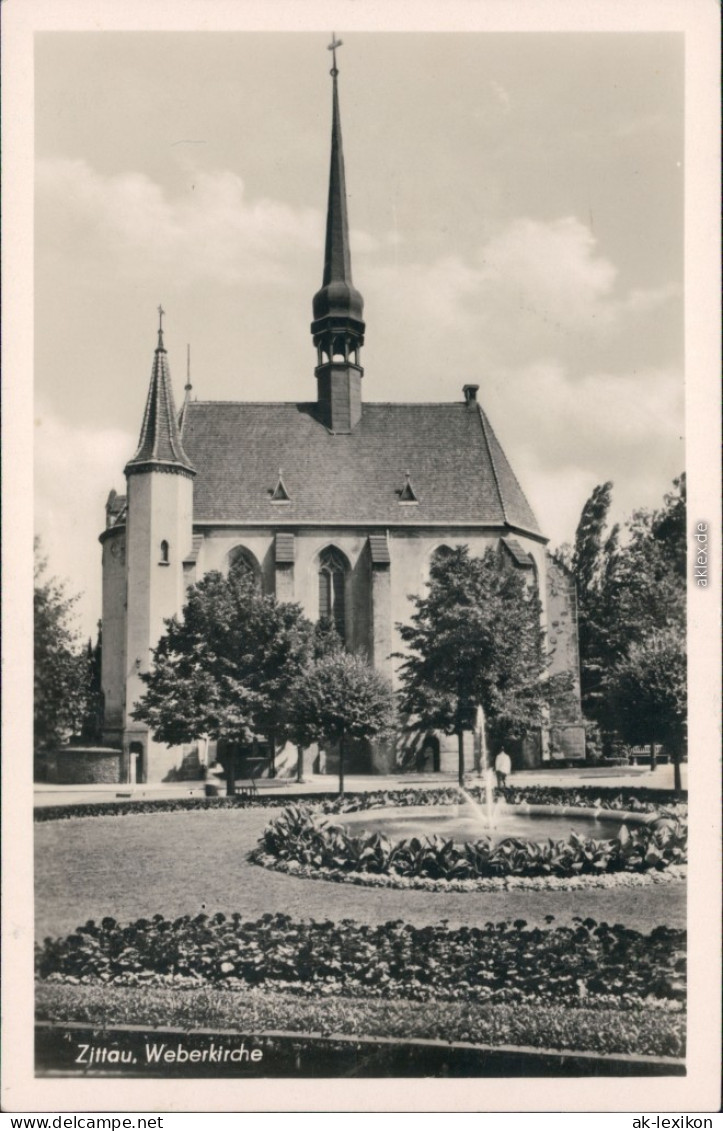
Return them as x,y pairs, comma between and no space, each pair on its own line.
338,326
159,525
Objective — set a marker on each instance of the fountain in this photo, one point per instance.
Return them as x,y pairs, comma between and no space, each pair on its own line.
470,820
462,824
487,816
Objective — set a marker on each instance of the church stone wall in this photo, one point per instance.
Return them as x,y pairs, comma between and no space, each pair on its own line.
377,597
562,623
567,730
159,511
114,630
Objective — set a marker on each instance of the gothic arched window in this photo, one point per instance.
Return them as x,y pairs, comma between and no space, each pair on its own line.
243,565
332,578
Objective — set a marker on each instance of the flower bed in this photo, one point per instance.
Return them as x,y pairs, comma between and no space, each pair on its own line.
302,837
590,963
601,1030
673,874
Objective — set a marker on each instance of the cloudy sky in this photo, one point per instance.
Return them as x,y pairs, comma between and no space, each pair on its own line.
516,203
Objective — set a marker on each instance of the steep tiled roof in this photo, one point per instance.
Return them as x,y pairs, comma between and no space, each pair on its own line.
459,470
192,556
379,549
519,556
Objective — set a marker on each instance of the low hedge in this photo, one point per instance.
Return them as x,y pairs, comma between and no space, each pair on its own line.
590,963
602,1030
642,800
161,805
306,837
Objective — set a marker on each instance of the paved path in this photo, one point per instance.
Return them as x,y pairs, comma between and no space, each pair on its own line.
618,778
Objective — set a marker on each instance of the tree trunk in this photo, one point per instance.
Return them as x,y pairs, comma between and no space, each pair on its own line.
677,781
230,775
460,755
341,766
272,756
300,764
653,762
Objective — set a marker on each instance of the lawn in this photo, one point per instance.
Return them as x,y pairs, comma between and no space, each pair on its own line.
187,862
184,863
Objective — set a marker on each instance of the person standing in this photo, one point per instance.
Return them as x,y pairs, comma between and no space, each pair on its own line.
503,766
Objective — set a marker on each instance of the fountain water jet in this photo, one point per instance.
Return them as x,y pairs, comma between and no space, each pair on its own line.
487,816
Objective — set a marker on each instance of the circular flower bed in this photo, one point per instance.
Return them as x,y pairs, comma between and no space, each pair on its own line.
304,841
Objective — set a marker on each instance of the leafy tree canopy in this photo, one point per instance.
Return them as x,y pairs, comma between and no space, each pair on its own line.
474,638
224,668
340,696
648,692
631,598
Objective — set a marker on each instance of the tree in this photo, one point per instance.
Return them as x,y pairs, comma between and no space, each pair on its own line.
592,561
224,669
336,698
326,641
92,725
631,596
648,691
475,639
60,664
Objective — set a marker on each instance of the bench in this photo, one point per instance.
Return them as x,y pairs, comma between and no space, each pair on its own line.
246,787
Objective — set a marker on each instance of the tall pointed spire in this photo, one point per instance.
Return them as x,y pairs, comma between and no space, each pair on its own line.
338,326
159,445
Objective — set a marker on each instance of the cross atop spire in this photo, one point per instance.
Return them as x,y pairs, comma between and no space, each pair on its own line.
332,47
338,295
338,326
161,312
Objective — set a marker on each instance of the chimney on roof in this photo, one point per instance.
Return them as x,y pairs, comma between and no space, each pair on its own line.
470,393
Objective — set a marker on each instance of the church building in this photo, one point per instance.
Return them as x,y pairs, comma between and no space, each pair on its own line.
333,502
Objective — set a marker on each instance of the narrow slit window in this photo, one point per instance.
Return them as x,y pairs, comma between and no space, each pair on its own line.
164,553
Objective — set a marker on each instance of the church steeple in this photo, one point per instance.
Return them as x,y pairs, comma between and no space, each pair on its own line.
338,326
159,445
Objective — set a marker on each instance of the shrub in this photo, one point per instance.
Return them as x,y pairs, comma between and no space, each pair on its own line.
641,800
306,837
586,963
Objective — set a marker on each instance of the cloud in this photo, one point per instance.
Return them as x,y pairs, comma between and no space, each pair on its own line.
626,413
128,224
566,435
75,468
534,291
551,270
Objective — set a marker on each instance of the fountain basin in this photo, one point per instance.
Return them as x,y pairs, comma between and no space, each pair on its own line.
523,822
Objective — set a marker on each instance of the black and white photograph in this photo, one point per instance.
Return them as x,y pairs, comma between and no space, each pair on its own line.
361,444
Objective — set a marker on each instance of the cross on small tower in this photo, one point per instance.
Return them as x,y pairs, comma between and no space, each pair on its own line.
332,47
